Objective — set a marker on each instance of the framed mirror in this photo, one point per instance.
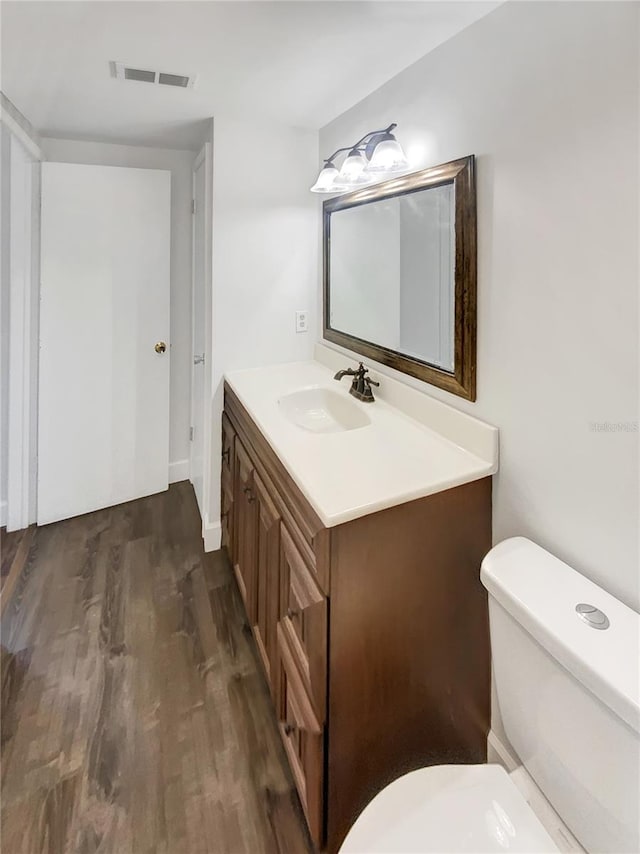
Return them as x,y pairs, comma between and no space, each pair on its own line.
400,274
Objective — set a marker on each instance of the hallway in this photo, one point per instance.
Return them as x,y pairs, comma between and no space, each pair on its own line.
134,714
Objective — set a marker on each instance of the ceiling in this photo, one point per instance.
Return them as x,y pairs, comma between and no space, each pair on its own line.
301,62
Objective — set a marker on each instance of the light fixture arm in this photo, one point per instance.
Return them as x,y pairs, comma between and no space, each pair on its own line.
329,160
361,142
367,136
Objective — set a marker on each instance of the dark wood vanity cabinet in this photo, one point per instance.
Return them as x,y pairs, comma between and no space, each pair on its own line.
373,634
267,570
245,525
227,485
302,622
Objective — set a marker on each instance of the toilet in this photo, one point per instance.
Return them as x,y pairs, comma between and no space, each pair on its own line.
566,677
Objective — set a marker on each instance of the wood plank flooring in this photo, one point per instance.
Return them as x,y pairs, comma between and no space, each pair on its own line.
14,550
135,718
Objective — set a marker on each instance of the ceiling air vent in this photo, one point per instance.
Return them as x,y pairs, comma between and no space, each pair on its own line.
138,74
173,80
146,75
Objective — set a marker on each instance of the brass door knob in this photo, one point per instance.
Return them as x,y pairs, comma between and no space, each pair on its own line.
160,347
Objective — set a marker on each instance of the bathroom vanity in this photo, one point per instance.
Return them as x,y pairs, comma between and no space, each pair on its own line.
356,535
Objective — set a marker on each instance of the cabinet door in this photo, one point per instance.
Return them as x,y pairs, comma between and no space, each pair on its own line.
226,488
303,738
245,529
228,442
267,576
303,620
226,522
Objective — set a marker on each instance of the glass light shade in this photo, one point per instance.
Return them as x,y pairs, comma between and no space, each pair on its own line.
352,172
326,179
388,156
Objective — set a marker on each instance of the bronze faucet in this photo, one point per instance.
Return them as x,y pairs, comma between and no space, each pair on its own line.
361,384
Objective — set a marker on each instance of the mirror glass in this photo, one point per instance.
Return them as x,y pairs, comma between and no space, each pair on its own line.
392,273
400,274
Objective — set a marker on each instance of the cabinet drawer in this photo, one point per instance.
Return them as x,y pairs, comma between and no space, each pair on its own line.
303,738
303,620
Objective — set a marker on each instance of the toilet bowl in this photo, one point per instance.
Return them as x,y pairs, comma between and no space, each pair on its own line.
462,808
567,681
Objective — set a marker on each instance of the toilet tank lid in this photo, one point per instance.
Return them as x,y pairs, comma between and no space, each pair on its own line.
541,592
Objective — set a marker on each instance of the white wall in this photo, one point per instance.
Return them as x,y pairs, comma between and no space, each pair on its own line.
265,253
180,164
546,96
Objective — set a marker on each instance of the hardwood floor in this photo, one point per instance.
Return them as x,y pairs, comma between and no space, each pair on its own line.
134,714
14,550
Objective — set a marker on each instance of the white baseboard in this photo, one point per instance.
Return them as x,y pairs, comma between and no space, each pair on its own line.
3,513
178,470
211,534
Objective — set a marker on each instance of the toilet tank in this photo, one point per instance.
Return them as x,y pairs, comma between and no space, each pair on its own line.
568,693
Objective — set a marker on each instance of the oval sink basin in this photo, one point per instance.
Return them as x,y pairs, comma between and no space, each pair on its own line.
321,410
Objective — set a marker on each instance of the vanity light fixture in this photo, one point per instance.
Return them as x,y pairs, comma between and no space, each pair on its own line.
326,179
353,172
388,156
376,153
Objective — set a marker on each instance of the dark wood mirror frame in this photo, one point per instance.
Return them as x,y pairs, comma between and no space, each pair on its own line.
460,173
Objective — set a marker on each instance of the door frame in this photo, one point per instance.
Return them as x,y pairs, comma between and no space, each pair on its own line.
24,289
210,531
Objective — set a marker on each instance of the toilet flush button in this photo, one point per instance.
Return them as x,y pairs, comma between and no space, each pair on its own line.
592,616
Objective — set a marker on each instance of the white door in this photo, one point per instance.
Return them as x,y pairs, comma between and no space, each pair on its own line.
103,414
199,335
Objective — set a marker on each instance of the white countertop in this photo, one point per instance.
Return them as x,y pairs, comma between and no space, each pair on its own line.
346,475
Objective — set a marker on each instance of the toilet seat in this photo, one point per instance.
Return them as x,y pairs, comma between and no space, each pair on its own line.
449,808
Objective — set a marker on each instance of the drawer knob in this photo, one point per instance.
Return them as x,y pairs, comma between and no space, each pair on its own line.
289,729
250,496
292,613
